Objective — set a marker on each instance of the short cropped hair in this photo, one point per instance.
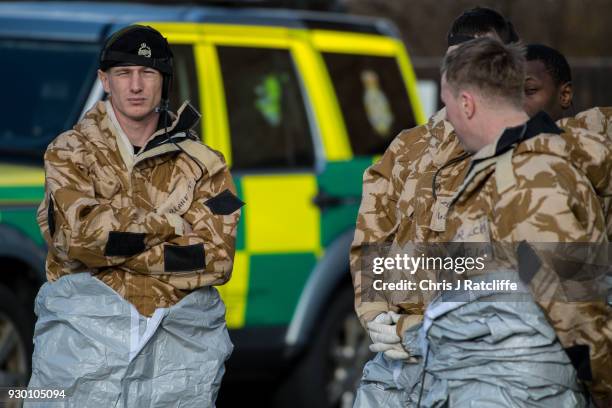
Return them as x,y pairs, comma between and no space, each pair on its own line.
554,62
480,21
486,65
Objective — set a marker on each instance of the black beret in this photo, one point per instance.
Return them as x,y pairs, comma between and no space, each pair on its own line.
137,45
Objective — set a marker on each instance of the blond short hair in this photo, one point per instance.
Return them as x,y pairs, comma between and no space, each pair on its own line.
495,70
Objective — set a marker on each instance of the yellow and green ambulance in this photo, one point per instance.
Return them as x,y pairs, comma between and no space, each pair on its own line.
300,103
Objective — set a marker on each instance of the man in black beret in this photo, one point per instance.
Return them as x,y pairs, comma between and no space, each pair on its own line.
140,220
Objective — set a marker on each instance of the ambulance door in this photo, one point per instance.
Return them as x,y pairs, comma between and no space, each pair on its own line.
257,113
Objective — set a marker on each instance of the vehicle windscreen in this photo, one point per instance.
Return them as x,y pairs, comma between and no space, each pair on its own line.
373,99
45,85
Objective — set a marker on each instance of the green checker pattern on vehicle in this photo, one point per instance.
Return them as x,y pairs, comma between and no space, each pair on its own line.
276,280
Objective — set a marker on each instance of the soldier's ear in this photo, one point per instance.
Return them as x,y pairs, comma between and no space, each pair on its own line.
566,94
467,104
103,77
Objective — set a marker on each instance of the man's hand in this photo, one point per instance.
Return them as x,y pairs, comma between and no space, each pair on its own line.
384,337
392,351
382,330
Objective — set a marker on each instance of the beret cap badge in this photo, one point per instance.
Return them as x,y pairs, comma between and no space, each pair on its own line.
144,50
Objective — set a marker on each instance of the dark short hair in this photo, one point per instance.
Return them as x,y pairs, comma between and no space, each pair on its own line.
555,63
494,69
479,21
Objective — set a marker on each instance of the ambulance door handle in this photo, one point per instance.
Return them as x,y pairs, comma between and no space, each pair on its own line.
324,201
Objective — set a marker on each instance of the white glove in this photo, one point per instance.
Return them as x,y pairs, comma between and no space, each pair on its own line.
384,336
382,330
391,351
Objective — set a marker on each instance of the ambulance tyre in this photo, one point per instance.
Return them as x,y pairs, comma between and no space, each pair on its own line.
15,341
329,373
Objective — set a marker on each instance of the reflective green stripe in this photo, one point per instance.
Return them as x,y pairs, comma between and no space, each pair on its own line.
343,180
25,194
275,284
23,219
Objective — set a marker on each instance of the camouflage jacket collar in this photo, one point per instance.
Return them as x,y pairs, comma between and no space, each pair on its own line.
499,154
439,127
444,145
180,124
511,137
164,140
180,127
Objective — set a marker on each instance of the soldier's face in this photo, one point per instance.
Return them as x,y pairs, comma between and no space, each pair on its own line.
542,94
135,91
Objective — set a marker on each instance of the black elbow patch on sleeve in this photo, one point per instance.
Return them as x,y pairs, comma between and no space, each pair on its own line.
581,360
224,203
184,258
51,217
528,262
124,244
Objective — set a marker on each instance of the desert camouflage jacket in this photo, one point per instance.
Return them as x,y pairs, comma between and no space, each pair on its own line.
399,205
588,151
388,199
597,120
423,217
540,184
154,225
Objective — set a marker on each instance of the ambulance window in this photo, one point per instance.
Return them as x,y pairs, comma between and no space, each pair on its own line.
267,118
185,83
373,99
44,84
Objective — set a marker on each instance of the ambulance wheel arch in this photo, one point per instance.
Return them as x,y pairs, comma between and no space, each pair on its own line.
331,272
16,330
328,372
328,341
24,257
22,267
20,279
